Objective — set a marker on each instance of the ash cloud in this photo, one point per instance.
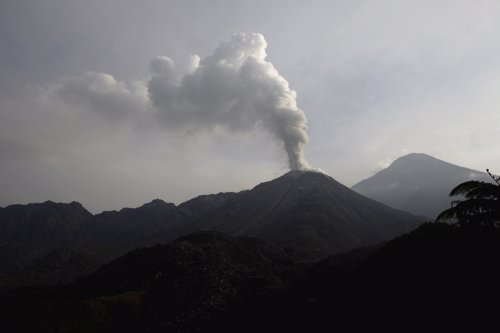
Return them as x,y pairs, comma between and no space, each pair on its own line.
235,88
101,93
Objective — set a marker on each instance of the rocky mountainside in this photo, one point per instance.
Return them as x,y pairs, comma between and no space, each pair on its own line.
417,183
310,214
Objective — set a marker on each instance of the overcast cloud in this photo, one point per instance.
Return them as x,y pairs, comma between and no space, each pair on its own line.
86,93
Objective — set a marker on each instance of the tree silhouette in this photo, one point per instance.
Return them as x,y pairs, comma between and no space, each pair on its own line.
481,206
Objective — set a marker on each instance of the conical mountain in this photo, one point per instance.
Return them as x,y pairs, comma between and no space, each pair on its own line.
309,214
417,183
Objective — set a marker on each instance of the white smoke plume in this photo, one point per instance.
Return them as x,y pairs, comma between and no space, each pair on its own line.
234,88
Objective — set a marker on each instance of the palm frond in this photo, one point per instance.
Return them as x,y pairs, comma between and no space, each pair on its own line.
446,215
488,190
480,207
464,188
472,211
475,205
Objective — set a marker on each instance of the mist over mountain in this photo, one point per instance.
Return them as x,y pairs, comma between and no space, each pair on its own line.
417,183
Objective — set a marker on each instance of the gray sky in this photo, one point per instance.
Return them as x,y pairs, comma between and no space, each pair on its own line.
375,79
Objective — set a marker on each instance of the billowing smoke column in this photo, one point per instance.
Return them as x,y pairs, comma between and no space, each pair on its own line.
235,88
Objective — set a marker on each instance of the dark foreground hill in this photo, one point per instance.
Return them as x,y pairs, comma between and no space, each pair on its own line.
187,285
437,276
417,183
310,215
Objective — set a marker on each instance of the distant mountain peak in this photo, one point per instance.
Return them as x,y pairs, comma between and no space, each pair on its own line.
418,183
419,158
417,155
156,203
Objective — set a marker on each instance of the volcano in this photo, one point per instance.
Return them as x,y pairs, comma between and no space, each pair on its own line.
310,215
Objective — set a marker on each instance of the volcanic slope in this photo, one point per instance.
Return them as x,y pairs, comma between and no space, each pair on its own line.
417,183
310,215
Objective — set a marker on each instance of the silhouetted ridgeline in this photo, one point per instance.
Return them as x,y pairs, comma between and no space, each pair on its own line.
56,242
307,214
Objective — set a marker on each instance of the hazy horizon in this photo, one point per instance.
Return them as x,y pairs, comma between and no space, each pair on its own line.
104,102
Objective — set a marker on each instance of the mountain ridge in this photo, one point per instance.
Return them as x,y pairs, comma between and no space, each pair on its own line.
308,213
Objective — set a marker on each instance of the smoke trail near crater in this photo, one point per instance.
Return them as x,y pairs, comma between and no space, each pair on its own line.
234,88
